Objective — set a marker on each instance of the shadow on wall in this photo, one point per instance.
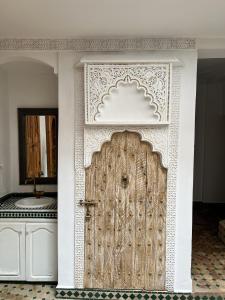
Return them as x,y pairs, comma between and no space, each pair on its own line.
209,180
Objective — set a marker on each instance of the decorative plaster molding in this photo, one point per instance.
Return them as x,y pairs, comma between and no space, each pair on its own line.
79,193
94,138
100,79
172,146
173,136
98,44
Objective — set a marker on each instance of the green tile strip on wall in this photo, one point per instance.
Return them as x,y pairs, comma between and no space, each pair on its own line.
99,294
48,215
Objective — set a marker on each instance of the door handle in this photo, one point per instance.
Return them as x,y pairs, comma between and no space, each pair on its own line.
87,204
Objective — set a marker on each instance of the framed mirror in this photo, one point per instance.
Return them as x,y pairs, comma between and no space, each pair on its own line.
38,140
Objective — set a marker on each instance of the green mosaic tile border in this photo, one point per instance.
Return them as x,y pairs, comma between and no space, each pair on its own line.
99,294
38,215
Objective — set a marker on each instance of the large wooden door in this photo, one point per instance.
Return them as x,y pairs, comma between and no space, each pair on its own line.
125,227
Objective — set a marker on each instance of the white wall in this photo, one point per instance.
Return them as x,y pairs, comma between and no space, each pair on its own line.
4,135
66,180
30,85
183,282
66,206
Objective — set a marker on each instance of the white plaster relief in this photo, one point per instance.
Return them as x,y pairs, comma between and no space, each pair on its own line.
82,142
100,79
172,180
95,137
79,180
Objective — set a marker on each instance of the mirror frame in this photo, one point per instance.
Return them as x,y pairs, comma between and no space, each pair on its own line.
22,112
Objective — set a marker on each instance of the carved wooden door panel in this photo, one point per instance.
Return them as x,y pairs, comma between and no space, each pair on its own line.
125,224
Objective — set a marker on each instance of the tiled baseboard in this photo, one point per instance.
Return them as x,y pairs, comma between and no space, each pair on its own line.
100,294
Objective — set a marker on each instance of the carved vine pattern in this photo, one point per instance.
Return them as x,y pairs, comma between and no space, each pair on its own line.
155,78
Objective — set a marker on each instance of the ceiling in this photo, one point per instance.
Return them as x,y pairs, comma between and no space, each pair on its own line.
111,18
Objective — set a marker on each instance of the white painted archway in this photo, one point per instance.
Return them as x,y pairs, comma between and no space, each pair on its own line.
49,59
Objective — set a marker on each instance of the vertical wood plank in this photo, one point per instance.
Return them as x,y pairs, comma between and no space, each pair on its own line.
160,254
119,141
100,183
132,148
89,259
110,165
141,188
151,227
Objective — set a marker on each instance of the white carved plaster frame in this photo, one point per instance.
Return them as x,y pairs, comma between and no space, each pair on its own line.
101,78
84,150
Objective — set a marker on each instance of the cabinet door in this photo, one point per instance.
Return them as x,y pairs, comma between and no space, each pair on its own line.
41,252
12,251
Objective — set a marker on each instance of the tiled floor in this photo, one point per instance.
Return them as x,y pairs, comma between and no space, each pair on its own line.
16,291
208,257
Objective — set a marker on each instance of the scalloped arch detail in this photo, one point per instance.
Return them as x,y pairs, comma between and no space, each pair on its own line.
111,96
141,139
141,92
94,138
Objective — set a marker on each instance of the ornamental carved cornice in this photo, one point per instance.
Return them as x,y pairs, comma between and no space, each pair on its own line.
98,44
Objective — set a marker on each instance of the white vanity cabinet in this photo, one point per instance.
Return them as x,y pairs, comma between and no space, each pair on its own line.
12,251
41,250
28,251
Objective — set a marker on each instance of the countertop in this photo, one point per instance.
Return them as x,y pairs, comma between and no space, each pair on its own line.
8,209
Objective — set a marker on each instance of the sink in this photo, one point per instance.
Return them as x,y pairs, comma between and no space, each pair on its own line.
33,202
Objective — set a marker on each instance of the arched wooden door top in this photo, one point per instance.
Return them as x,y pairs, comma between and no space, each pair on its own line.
126,222
138,135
